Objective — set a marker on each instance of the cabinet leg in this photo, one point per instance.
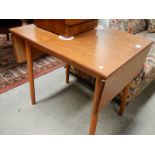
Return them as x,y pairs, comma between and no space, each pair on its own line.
67,73
30,71
96,101
124,99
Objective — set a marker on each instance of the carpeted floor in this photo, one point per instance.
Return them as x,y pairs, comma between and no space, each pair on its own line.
13,74
65,109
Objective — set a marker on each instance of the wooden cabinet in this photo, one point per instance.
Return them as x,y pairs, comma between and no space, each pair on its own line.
66,27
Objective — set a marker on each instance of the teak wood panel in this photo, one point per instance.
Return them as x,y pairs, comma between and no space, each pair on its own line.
117,81
69,61
79,28
101,52
71,22
53,25
19,49
66,27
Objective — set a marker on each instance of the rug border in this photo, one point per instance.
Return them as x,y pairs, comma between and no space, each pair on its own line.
36,75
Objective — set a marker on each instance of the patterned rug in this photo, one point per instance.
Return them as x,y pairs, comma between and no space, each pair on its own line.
13,74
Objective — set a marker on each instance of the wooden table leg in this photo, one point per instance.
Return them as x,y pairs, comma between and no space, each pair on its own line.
30,71
96,101
124,99
67,73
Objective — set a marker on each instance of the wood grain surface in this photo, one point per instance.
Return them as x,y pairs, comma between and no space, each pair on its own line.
101,52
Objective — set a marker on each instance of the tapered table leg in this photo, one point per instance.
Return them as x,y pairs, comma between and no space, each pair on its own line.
96,101
30,71
67,73
124,99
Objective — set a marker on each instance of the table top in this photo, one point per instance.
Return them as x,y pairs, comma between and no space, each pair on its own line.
100,51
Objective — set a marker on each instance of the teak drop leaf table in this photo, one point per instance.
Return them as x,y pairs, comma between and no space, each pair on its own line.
114,58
